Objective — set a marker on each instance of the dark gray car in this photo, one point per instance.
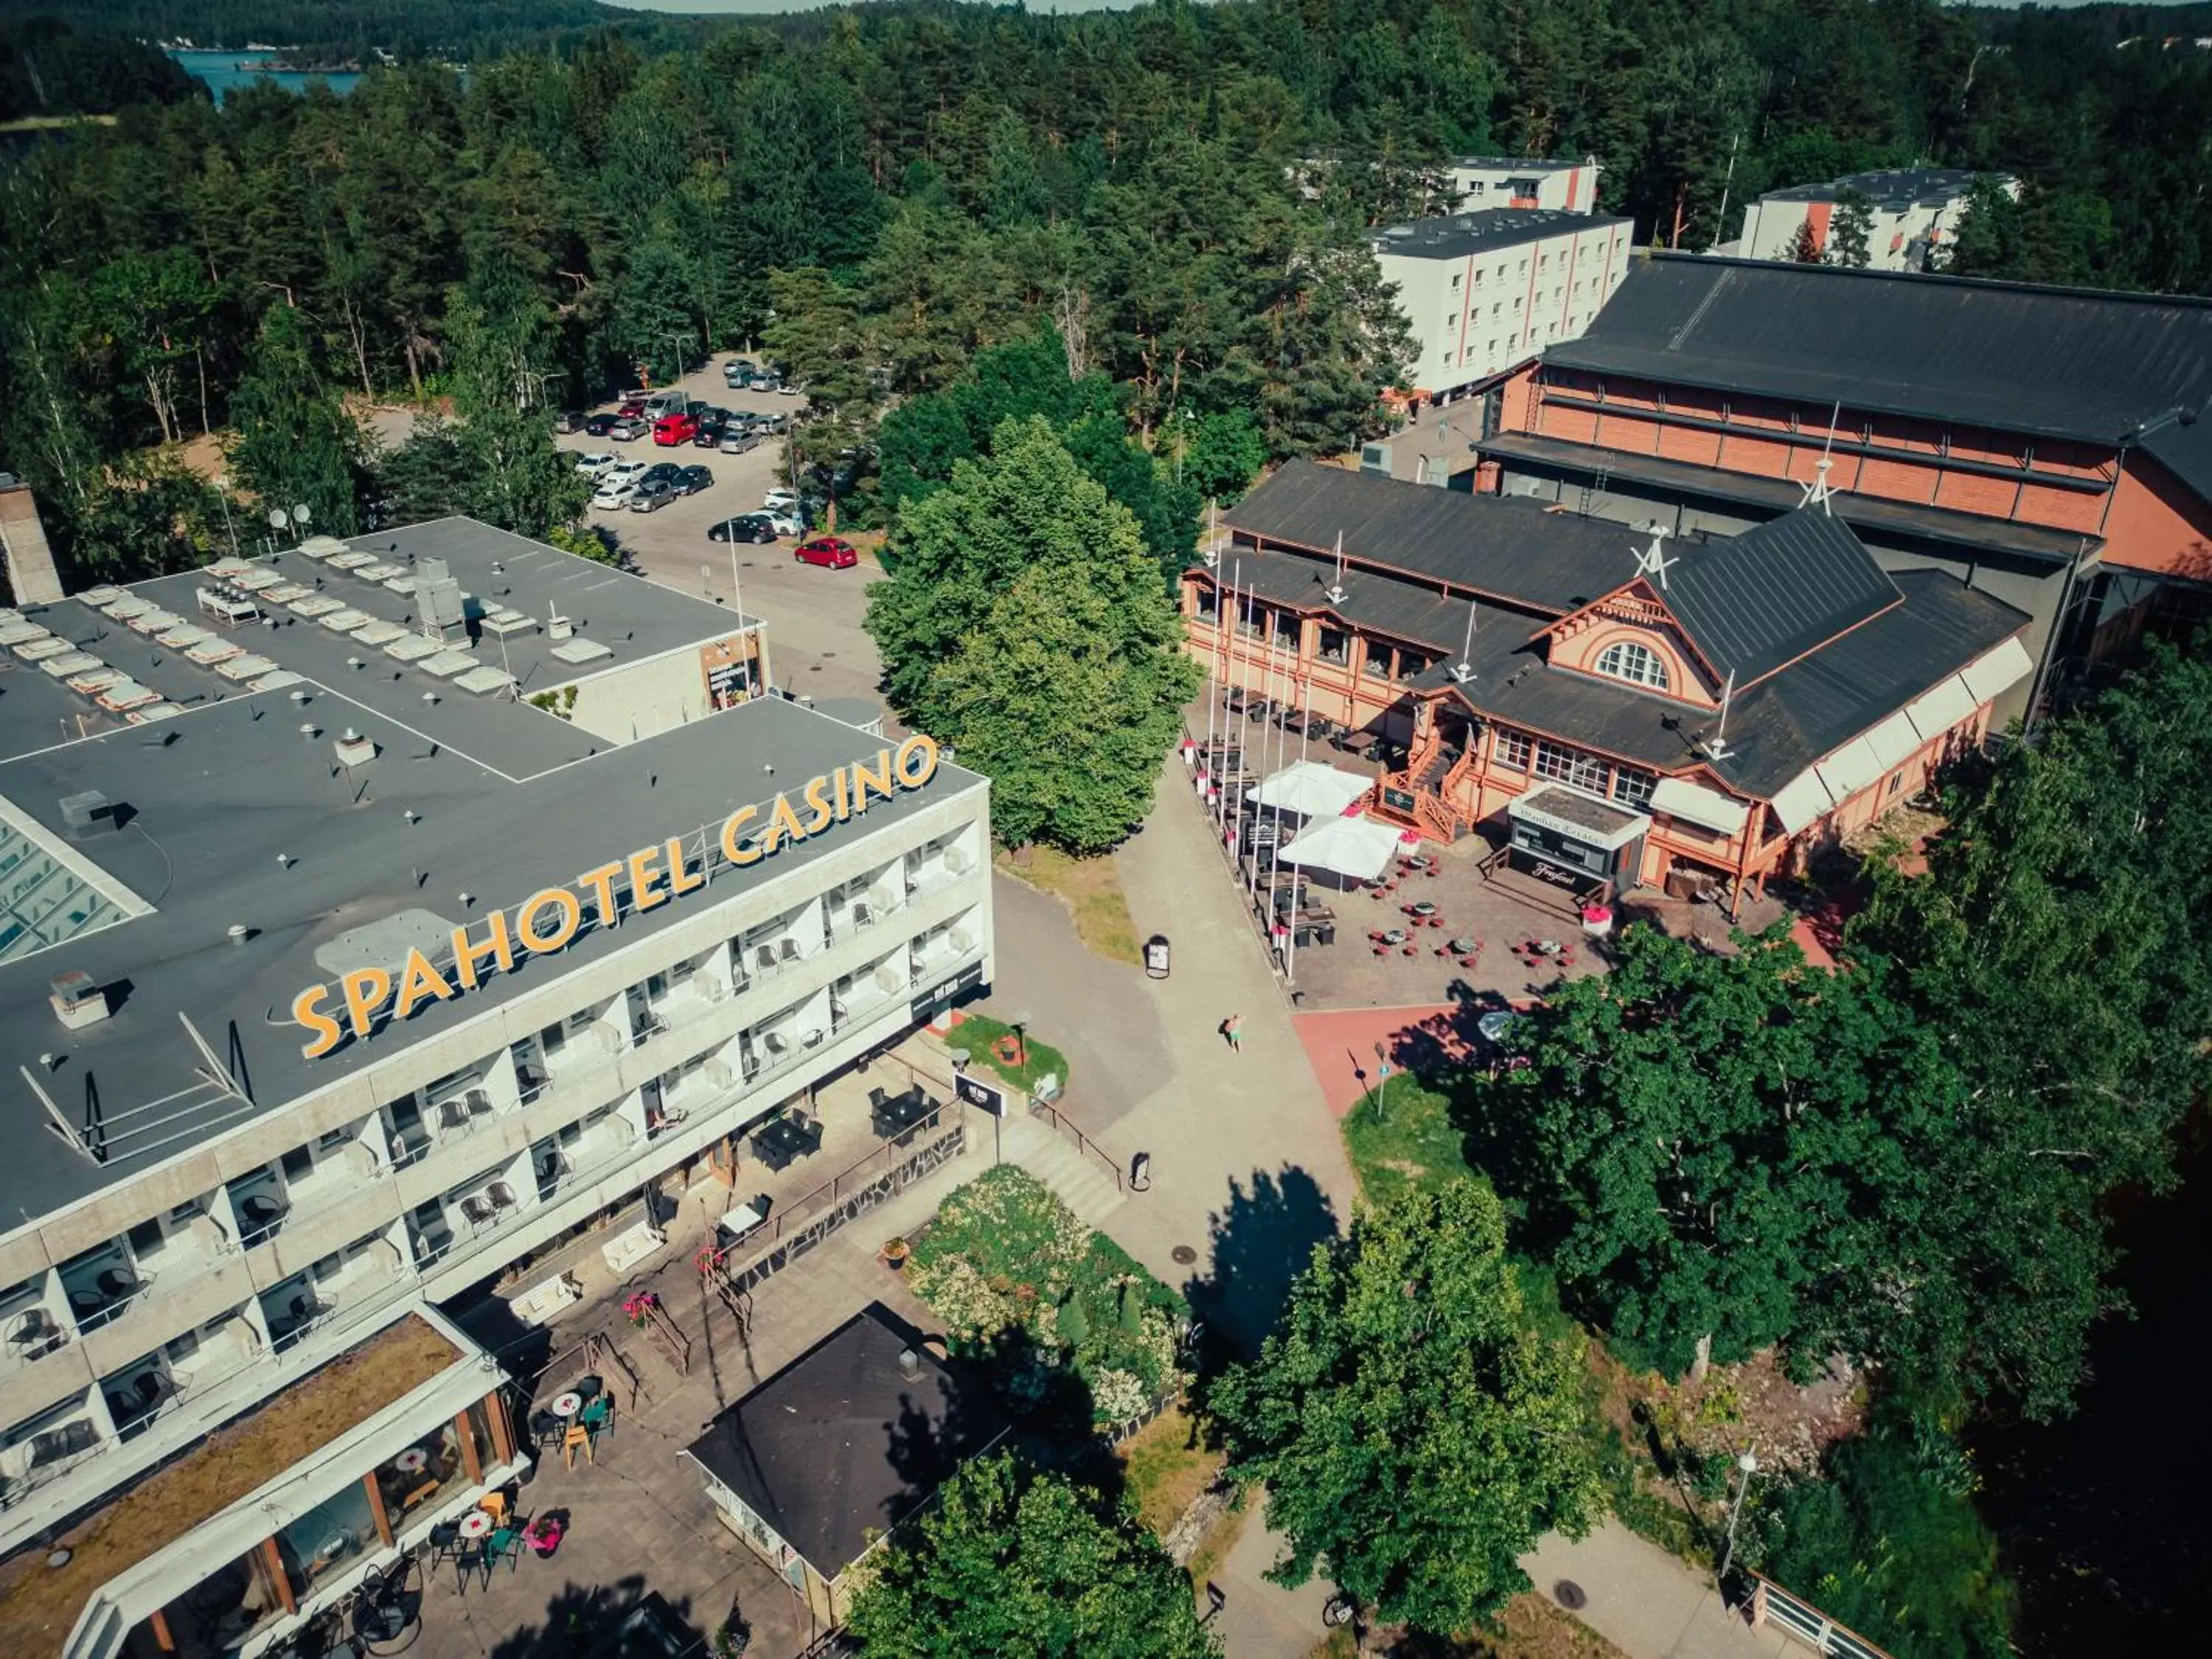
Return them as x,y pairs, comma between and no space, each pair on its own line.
653,495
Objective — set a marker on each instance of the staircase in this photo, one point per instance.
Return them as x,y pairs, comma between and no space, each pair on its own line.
1075,1179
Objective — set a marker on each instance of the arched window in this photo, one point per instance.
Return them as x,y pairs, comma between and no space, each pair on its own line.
1640,664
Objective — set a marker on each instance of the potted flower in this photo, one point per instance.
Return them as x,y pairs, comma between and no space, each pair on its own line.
895,1254
638,1308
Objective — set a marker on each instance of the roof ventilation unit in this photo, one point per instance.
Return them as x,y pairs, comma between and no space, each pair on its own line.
444,608
77,1001
909,1364
86,815
355,750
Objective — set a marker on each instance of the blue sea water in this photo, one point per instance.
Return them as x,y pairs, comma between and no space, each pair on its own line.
224,71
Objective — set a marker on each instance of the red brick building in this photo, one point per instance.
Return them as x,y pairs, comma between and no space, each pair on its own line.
1704,718
2041,445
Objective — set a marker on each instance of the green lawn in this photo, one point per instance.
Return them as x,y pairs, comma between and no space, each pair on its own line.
1401,1136
976,1034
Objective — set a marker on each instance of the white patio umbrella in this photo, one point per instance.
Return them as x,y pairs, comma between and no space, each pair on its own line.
1312,789
1359,848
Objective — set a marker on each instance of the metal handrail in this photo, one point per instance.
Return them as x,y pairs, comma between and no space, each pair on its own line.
1042,1108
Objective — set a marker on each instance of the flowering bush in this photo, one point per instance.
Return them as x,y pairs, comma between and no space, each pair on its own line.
638,1308
1016,1274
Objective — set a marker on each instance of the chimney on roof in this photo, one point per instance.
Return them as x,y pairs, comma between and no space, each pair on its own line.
909,1364
86,815
355,750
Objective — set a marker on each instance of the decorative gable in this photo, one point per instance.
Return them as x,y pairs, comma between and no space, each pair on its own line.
1629,637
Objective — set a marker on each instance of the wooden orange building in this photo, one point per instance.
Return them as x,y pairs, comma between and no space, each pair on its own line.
1696,713
2042,445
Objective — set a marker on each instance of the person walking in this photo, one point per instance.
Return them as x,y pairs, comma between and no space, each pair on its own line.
1232,1028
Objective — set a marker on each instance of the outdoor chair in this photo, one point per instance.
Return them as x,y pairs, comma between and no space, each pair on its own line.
599,1416
589,1387
476,1209
469,1557
545,1428
505,1544
577,1436
500,1195
445,1540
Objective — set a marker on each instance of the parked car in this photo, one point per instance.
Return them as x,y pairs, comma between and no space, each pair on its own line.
767,380
774,425
627,471
693,479
736,440
745,527
677,428
787,388
660,472
597,462
779,501
614,494
568,420
738,372
830,552
628,429
598,425
653,495
632,403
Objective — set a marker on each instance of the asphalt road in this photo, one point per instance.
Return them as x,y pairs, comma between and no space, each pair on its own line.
816,644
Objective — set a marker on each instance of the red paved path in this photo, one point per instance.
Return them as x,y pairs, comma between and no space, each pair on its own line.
1341,1044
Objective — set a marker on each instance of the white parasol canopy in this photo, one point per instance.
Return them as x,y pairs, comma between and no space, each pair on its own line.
1312,788
1359,848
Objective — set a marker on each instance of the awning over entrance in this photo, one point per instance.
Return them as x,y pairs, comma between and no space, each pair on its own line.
1581,818
1312,788
1359,848
1699,805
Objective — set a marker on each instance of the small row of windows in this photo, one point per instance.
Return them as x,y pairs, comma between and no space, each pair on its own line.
1540,757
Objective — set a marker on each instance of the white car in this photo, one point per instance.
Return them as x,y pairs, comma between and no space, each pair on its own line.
784,524
779,501
597,462
625,472
614,493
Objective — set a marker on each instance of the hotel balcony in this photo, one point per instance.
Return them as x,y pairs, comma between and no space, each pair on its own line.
32,1326
258,1201
139,1393
100,1283
363,1272
49,1446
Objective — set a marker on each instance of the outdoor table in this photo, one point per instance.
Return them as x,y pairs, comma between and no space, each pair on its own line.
1492,1024
781,1143
737,1222
477,1523
900,1113
413,1461
568,1405
1422,908
1394,936
1464,947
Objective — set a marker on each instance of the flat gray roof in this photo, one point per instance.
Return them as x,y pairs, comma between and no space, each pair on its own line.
1524,163
212,797
1462,234
634,619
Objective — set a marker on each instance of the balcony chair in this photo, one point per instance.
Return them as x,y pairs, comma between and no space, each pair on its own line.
476,1210
500,1195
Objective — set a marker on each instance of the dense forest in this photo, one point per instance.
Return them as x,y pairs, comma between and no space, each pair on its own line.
905,186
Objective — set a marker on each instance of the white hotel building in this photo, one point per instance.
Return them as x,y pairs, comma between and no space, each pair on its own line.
1486,292
596,906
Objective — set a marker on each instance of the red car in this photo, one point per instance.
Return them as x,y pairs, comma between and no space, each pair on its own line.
630,406
671,429
827,551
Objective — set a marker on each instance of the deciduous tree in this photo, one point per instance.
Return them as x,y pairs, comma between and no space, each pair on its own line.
1019,1562
296,444
1415,1434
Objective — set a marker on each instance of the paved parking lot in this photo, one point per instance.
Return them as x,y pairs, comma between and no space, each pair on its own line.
816,643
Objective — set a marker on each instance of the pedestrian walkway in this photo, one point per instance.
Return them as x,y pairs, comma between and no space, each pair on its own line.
1646,1602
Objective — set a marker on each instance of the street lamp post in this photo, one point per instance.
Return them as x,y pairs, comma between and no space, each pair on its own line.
680,341
1746,1466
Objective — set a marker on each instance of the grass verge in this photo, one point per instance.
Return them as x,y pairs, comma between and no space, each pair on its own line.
1401,1137
1091,890
976,1035
1168,1464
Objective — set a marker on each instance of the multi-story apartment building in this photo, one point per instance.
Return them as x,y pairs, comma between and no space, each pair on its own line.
377,916
1487,291
1913,211
1475,182
2045,445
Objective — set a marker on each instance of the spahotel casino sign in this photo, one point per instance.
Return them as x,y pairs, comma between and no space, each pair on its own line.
548,919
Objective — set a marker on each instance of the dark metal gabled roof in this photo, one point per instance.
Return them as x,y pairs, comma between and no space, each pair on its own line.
1502,547
2062,362
1755,602
2184,448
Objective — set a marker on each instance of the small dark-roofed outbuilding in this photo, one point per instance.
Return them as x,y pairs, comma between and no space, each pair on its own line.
839,1447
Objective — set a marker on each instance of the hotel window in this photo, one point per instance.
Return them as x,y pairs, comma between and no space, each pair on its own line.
1513,750
1209,602
1632,787
1378,660
1252,618
1409,664
1335,645
1638,665
1455,283
1572,766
